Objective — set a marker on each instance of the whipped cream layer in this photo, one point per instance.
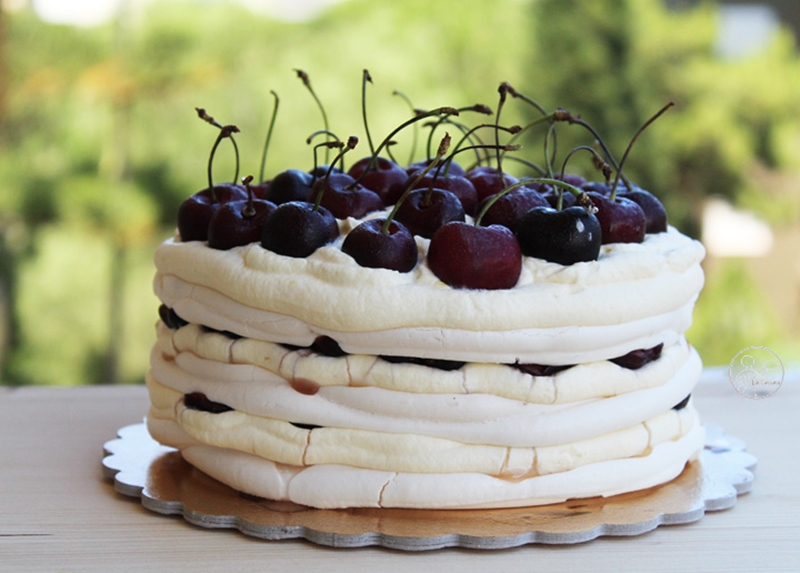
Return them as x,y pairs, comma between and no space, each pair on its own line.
340,486
585,381
467,418
634,296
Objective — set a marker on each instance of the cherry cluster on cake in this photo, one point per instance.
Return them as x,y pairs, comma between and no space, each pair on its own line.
480,221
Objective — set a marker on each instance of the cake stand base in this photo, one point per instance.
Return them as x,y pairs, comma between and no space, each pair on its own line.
166,484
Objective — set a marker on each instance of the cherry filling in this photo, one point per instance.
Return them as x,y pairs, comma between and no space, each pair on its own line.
170,318
305,426
540,369
327,346
199,401
225,333
637,358
324,345
446,365
682,404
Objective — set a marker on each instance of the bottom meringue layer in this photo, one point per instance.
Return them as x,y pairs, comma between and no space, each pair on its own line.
331,486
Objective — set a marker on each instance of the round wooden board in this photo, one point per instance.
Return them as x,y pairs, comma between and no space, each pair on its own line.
167,484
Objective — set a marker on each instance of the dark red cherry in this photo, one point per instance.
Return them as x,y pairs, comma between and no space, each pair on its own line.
296,229
568,199
395,250
385,177
458,185
290,185
509,209
654,210
487,182
234,224
467,256
564,237
423,212
343,197
621,220
195,213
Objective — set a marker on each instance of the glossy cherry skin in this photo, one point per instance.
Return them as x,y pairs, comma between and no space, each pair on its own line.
564,237
423,213
509,209
290,185
458,185
231,227
654,211
195,213
622,220
296,229
567,200
395,250
487,182
467,256
344,198
385,177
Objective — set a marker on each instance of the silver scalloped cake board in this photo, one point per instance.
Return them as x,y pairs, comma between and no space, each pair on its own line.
167,484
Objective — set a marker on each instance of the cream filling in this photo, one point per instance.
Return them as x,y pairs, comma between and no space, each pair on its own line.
627,299
553,346
581,382
336,486
466,418
285,443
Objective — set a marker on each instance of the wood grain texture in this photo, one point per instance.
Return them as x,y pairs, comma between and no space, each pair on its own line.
58,512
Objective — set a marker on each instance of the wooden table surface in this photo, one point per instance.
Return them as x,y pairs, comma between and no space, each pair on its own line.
58,512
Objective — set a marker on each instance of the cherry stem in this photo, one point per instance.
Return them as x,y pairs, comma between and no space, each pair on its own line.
307,82
364,79
582,197
443,147
389,150
311,137
646,124
549,158
415,138
598,161
549,118
328,145
446,163
563,115
249,210
352,141
371,165
224,131
526,99
468,134
478,107
269,136
533,166
503,90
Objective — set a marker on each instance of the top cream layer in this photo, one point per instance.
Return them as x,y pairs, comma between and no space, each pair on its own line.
629,282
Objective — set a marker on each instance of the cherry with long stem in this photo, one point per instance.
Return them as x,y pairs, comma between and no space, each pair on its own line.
269,136
307,83
415,136
646,124
225,131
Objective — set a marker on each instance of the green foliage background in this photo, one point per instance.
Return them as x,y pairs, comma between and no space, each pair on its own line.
99,142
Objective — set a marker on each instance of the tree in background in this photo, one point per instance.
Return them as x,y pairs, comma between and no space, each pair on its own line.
616,62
